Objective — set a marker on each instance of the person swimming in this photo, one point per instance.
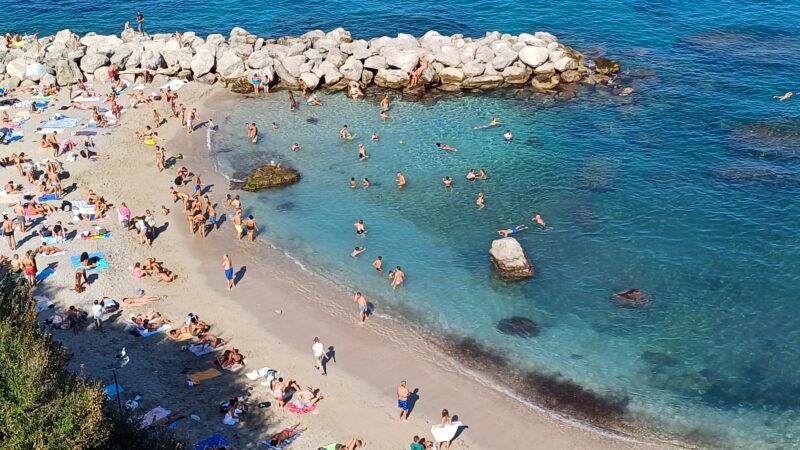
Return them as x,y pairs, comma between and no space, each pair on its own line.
447,182
295,147
513,230
471,176
360,228
357,251
446,147
783,97
365,183
362,152
493,123
353,184
312,100
374,137
539,221
508,136
345,133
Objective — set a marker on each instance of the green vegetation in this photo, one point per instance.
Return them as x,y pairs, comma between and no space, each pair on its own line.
42,405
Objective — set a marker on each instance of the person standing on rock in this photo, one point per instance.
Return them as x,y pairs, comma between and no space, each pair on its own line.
256,81
140,21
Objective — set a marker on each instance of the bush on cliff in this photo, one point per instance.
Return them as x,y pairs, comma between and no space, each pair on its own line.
42,405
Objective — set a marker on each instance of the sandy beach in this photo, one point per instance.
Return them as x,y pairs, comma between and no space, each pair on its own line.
272,316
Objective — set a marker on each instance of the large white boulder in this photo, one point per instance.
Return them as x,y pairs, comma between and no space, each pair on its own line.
504,59
293,64
565,63
510,259
452,75
92,61
229,64
474,69
17,68
99,40
448,55
392,78
406,60
330,72
203,61
352,69
376,62
259,59
35,71
311,80
534,56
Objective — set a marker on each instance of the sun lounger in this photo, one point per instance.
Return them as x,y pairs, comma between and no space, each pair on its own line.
203,375
98,258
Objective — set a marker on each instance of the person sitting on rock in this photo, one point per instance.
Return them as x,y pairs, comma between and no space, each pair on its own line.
416,74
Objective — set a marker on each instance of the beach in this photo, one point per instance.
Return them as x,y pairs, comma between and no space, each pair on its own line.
272,315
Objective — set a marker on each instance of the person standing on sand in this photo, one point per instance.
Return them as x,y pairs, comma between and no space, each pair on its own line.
97,313
402,400
8,232
363,306
237,223
252,227
319,355
227,265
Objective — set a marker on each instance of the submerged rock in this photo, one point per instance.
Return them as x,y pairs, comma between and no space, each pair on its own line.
510,259
270,176
606,66
633,298
518,326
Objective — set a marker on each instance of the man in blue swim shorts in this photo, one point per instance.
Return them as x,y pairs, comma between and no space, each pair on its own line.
227,265
402,400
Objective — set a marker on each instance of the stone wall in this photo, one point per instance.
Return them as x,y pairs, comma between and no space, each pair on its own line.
331,60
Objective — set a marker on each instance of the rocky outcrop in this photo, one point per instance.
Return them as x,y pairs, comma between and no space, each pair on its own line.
510,259
318,59
270,176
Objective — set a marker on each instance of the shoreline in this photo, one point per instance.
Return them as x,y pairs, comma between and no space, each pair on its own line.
472,370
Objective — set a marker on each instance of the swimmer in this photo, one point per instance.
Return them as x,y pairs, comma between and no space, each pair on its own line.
385,103
493,123
539,221
471,176
345,133
374,137
357,251
783,97
399,277
508,136
446,147
312,100
401,180
292,101
384,116
362,152
295,147
360,228
447,182
482,174
480,201
275,125
378,263
510,231
363,306
353,183
252,132
365,183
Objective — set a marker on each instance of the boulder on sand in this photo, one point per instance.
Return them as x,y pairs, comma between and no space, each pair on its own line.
510,259
270,175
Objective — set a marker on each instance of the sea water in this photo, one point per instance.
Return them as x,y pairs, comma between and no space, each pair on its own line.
686,189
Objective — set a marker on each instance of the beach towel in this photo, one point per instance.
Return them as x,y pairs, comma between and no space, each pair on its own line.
291,407
42,105
52,240
262,372
233,367
93,124
45,273
126,302
82,207
444,433
41,97
48,197
207,374
154,415
111,390
98,258
283,444
64,122
141,332
214,442
86,133
174,84
43,303
204,349
49,130
93,98
62,252
87,235
15,136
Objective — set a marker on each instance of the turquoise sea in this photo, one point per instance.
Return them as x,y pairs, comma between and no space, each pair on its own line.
686,189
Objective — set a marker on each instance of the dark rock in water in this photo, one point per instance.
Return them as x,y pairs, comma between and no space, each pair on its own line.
518,326
659,359
597,174
414,93
270,176
633,298
556,392
312,120
642,73
606,66
285,206
770,140
762,174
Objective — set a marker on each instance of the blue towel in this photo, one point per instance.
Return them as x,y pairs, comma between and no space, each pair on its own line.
52,240
48,197
44,273
65,122
111,390
213,442
102,263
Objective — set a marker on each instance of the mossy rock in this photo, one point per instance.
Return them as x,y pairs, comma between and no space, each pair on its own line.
270,176
240,85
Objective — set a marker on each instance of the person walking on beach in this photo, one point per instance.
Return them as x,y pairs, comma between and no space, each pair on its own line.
319,355
227,265
363,306
8,232
402,400
252,227
140,21
237,223
97,313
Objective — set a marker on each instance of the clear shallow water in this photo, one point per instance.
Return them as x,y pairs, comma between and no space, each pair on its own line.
672,190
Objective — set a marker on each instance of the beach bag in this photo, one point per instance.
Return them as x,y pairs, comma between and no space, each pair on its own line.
66,206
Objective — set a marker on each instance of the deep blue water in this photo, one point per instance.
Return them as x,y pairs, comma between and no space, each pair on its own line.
686,189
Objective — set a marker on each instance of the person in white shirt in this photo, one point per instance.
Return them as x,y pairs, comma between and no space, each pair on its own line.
97,313
319,355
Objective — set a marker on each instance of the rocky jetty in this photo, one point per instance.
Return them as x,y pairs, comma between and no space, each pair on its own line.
317,59
510,259
270,175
